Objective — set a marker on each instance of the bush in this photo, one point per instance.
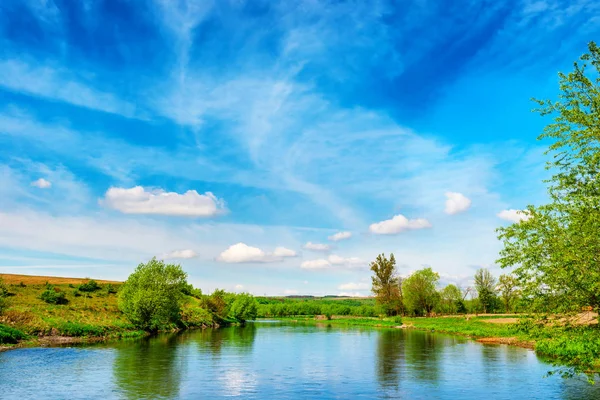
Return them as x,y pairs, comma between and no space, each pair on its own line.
244,307
51,296
90,286
397,320
151,297
196,316
10,335
111,289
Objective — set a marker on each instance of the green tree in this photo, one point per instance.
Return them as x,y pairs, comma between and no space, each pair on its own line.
244,307
3,296
450,299
556,247
151,297
419,290
485,283
509,291
385,284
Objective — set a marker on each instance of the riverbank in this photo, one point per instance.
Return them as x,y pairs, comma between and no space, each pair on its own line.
572,348
83,313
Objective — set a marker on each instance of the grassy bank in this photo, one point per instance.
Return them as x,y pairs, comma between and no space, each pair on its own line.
79,316
571,348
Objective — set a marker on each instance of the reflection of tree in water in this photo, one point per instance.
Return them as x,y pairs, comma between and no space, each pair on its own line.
240,338
423,354
148,368
390,355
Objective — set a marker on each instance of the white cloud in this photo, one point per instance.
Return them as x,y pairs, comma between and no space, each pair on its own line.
514,215
139,201
187,253
340,236
242,253
354,286
41,183
290,292
283,252
315,264
333,261
398,224
239,287
456,203
317,246
351,294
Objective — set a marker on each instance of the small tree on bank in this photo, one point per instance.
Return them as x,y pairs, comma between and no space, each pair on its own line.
386,284
244,308
485,283
419,290
152,295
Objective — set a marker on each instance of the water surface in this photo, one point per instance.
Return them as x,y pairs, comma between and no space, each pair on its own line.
277,360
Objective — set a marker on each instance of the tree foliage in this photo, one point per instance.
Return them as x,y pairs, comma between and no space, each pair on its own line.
244,307
509,291
152,295
450,300
485,283
419,291
556,248
386,284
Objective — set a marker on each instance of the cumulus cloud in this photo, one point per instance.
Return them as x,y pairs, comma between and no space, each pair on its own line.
187,253
340,236
239,287
354,286
283,252
317,246
333,261
351,294
514,215
137,200
397,224
242,253
456,203
41,183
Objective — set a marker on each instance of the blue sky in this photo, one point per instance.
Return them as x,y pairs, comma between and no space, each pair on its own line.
239,137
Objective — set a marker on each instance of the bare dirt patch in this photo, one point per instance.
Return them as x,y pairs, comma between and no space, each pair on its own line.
501,320
513,341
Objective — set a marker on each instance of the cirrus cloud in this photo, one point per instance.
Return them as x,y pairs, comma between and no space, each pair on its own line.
138,200
456,203
397,224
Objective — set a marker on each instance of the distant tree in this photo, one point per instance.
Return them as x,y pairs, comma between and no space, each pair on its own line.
385,284
485,283
151,297
419,290
450,299
509,291
244,307
555,247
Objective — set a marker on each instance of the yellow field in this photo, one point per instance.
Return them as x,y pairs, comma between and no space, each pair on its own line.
13,279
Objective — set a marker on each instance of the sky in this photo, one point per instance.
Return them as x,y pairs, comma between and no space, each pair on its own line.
274,147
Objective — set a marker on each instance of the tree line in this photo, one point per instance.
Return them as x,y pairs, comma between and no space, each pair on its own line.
419,294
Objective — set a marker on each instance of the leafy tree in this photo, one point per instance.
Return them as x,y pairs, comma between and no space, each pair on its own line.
556,247
385,284
509,291
485,283
419,290
450,299
244,307
151,297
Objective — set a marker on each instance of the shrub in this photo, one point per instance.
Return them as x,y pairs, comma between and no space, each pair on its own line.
196,316
110,289
3,289
90,286
10,335
151,297
397,320
51,296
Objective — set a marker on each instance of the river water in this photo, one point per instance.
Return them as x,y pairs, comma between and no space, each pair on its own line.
277,360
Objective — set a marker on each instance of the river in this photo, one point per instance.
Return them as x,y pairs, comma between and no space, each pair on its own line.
278,360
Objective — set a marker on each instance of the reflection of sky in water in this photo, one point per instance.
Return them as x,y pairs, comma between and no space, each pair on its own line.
279,361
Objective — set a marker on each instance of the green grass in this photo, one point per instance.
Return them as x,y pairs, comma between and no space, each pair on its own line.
10,335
